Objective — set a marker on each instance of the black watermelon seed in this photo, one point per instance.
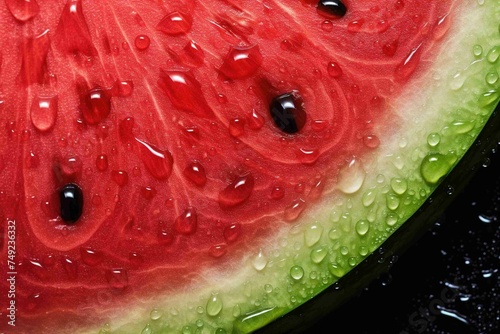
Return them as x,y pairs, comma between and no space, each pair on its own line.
332,7
71,200
288,113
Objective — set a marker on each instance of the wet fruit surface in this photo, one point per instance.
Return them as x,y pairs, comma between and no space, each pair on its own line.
188,145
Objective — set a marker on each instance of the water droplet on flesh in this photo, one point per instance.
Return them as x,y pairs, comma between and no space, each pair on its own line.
241,62
157,161
175,23
187,222
43,112
237,192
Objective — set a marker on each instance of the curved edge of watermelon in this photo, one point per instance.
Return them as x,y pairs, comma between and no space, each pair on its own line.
438,118
390,252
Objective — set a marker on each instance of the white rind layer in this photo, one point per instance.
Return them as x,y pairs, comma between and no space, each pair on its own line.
436,120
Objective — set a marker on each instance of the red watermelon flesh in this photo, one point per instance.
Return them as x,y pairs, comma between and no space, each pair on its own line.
159,112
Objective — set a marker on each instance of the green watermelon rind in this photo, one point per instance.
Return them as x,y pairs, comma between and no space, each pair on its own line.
436,121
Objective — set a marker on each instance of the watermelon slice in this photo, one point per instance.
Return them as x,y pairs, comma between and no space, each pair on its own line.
207,167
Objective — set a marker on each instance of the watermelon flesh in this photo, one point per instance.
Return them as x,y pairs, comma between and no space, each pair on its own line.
199,212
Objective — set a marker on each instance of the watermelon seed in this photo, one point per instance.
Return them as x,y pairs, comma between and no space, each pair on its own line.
287,112
332,8
71,203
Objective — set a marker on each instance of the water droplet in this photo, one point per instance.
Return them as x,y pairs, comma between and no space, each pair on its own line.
95,105
351,177
392,201
293,211
371,141
217,251
362,227
232,232
391,219
237,192
193,54
187,222
43,112
327,25
318,254
147,329
155,314
409,64
433,139
493,54
236,127
34,56
90,257
101,162
491,78
260,261
72,33
457,81
184,91
355,26
142,42
369,197
255,120
122,88
241,62
334,70
157,161
214,305
297,272
70,267
336,270
23,10
489,98
195,172
117,278
435,166
175,23
399,185
477,50
120,177
313,234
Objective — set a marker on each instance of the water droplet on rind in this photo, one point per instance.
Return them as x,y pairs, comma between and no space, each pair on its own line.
351,177
250,322
214,305
435,166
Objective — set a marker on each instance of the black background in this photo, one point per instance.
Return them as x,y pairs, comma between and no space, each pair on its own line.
447,282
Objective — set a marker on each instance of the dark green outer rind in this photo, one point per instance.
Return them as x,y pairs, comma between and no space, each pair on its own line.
303,317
